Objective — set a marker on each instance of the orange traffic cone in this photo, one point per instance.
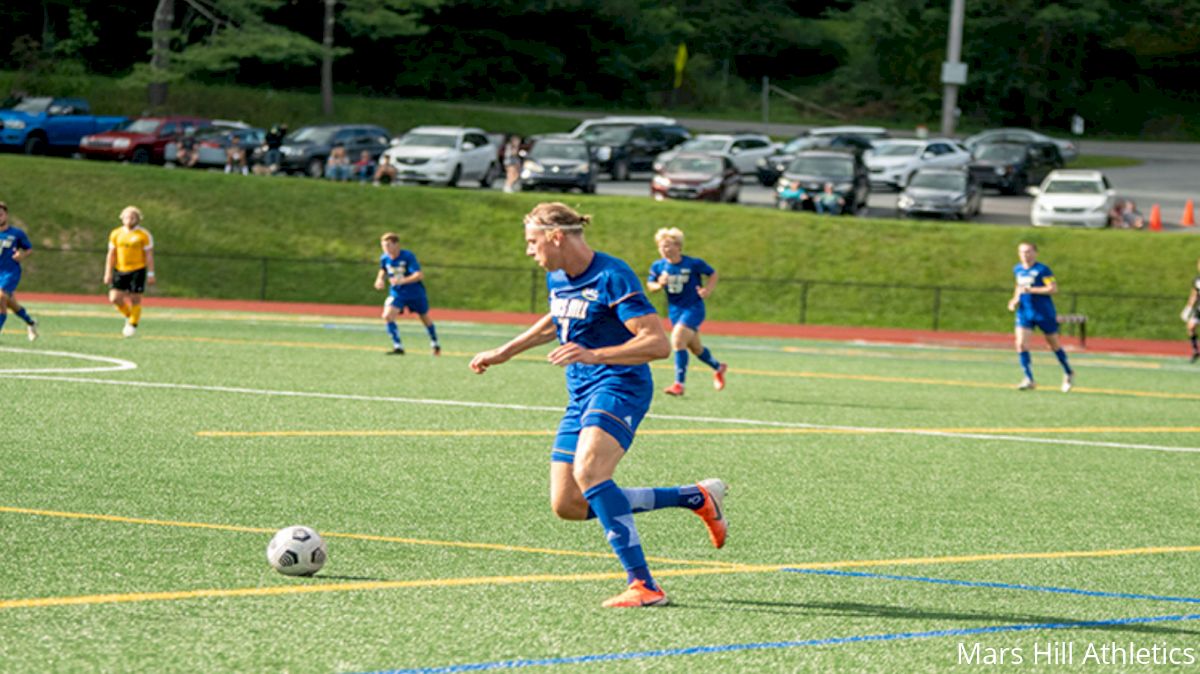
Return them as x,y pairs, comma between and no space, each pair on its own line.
1155,219
1189,214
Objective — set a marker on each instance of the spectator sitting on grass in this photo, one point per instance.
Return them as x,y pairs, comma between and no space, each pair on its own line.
828,201
1125,215
364,168
338,165
386,173
235,157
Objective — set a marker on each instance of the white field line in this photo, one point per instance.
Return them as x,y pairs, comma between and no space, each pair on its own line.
547,408
114,364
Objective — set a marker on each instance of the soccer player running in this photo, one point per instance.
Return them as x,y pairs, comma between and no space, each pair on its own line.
128,267
1034,307
1191,313
680,276
401,274
14,247
608,332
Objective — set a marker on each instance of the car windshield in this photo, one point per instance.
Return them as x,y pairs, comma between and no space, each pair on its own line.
705,145
797,144
1004,153
310,134
897,150
608,134
694,165
1063,186
429,140
826,167
141,125
571,151
33,105
939,181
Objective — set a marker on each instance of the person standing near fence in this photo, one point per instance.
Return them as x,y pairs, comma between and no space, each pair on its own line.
401,275
1034,307
1191,313
14,247
681,277
129,267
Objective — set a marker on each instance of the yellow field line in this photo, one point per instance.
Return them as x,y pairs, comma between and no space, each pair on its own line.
39,602
692,431
362,537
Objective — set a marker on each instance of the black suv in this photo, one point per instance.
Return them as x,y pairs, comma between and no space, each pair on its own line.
307,149
811,169
622,147
769,168
1011,167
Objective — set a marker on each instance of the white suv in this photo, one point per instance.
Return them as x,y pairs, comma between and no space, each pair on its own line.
743,149
445,155
1080,198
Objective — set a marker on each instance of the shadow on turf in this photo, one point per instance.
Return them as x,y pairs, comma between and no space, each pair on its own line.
826,403
857,610
323,576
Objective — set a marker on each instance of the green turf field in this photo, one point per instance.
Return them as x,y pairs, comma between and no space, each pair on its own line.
136,504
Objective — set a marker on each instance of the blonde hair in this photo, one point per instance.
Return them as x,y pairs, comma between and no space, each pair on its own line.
552,215
132,209
390,237
673,233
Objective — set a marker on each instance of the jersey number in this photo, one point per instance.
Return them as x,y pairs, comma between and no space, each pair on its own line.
675,284
564,329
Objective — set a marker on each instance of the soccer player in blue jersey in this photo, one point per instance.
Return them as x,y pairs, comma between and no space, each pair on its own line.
401,275
1034,307
608,332
681,277
14,247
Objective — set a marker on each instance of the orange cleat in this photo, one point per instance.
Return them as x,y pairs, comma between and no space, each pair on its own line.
675,389
638,596
437,350
719,377
711,512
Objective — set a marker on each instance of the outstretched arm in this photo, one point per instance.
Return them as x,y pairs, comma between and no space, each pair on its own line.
539,333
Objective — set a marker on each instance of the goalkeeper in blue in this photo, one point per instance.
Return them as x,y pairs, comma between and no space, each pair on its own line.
688,281
608,332
1034,308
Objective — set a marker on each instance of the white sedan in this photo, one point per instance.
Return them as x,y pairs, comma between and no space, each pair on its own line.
893,162
1073,198
745,149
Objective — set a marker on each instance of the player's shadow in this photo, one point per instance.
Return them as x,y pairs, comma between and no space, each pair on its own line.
860,610
322,576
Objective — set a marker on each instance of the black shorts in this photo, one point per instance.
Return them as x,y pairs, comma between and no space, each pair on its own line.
130,281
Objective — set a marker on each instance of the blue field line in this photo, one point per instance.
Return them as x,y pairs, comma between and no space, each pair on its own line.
772,645
997,586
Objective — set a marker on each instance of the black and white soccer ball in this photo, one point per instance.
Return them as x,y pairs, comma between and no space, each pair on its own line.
297,551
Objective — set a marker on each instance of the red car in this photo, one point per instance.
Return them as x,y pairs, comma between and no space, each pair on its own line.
140,141
693,175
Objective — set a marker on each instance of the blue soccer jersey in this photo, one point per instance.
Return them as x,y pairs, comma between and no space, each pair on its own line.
12,240
398,267
683,279
590,310
1037,276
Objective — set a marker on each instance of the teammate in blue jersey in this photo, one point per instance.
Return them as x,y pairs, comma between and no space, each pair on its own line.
1034,307
401,275
14,247
681,276
608,332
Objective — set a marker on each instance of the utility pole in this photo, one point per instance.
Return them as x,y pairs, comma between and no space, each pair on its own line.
954,71
160,59
327,60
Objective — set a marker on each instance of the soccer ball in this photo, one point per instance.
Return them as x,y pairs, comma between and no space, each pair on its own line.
297,551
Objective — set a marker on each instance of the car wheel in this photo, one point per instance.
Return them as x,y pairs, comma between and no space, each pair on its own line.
35,145
489,176
590,188
315,168
453,182
141,155
620,170
733,198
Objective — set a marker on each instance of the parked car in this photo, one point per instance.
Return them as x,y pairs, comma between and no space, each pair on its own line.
940,191
1016,135
697,175
141,141
811,169
40,124
561,164
622,147
772,166
1073,197
621,119
306,149
1011,167
893,163
212,142
744,149
445,155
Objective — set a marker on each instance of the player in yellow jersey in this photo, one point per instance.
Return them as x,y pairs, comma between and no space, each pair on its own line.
129,267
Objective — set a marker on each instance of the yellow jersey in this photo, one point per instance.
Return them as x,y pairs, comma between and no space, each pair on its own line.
131,246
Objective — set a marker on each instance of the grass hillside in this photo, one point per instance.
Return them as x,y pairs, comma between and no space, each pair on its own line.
306,240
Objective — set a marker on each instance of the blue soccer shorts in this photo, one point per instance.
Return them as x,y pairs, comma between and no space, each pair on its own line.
690,317
616,411
1047,324
417,305
9,281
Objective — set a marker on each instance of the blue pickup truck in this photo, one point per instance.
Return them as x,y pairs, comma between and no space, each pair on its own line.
39,124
